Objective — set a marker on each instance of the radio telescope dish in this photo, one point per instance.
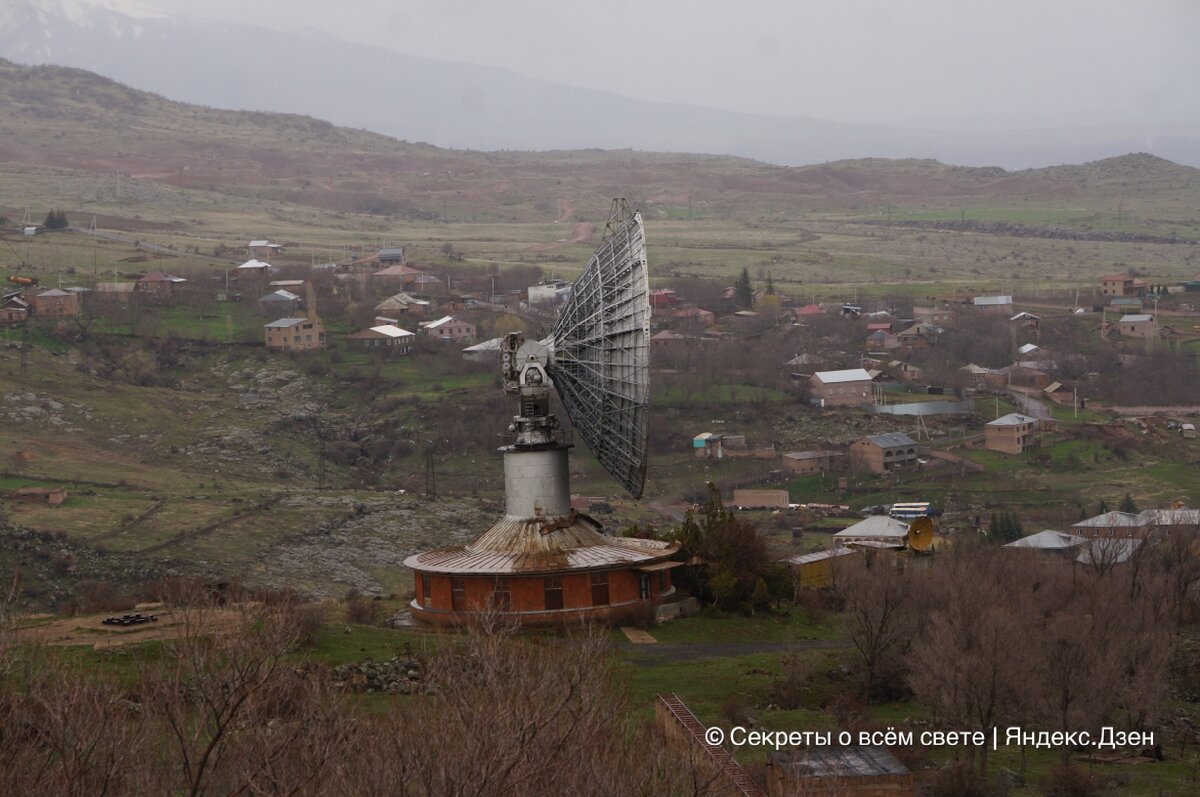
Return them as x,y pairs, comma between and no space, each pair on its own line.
601,350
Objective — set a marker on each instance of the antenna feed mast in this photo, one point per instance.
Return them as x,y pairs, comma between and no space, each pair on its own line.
524,366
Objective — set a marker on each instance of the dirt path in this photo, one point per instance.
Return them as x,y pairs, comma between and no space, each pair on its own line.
1031,406
91,630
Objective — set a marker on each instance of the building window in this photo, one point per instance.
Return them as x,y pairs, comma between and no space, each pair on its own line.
426,591
502,595
553,589
458,593
599,589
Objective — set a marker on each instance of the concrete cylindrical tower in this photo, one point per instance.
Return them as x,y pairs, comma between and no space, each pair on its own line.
537,483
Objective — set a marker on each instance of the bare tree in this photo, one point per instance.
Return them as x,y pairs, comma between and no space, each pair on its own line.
963,663
877,599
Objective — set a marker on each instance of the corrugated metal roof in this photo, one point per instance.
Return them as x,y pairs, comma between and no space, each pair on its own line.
1136,318
1012,419
537,545
1048,540
844,763
982,301
1109,520
392,331
874,526
280,296
495,344
818,556
1171,517
1110,550
253,263
891,440
284,323
849,375
802,455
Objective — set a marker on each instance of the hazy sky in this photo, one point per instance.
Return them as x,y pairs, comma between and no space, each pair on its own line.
944,63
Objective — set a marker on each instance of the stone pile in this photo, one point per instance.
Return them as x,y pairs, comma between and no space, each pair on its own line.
397,676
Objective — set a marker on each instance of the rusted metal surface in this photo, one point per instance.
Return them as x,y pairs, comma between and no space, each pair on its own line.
536,545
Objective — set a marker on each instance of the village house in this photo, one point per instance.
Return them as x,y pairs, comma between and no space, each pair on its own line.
884,453
708,445
402,303
1027,322
882,339
993,304
295,334
391,256
1012,434
843,771
159,286
940,316
263,248
848,388
550,291
54,496
663,300
13,309
488,351
1049,542
1122,285
815,570
254,268
1111,524
974,376
1059,394
807,312
918,335
279,301
695,314
1126,304
1171,520
1144,524
56,304
878,530
1138,325
448,328
807,463
386,338
398,274
669,341
804,360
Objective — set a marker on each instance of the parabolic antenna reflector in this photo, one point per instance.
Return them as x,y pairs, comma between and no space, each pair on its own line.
601,360
920,533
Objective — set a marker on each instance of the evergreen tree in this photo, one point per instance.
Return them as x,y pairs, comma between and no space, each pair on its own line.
1015,530
1103,508
1127,505
743,290
56,220
770,285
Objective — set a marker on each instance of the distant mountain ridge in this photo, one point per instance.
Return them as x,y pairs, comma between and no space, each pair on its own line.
466,106
74,119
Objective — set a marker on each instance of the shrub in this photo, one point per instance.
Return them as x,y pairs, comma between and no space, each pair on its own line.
361,609
1069,781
